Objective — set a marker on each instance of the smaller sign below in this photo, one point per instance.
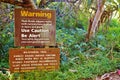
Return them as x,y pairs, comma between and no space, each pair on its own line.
25,60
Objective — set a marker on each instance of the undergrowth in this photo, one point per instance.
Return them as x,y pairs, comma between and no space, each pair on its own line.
80,59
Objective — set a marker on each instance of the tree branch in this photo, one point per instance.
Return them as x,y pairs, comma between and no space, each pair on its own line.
24,3
12,2
29,4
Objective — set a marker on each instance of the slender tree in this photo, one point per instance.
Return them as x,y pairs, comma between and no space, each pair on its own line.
93,22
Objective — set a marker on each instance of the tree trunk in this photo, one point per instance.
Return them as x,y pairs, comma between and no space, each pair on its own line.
94,22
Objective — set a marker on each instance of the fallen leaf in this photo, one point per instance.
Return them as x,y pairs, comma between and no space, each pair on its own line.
110,76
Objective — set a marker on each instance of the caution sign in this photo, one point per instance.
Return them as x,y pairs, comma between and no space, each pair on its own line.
35,27
24,60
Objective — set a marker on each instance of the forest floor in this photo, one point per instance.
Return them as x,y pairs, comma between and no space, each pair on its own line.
107,76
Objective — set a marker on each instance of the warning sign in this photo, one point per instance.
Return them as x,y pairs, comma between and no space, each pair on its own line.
35,27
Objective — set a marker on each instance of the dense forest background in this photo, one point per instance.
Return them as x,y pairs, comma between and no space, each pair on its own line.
87,32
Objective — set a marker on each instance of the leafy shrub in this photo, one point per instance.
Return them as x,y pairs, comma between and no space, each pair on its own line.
6,42
3,77
114,23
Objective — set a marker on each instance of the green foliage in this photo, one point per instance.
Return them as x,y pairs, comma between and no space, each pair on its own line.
6,42
3,77
114,23
6,33
79,59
